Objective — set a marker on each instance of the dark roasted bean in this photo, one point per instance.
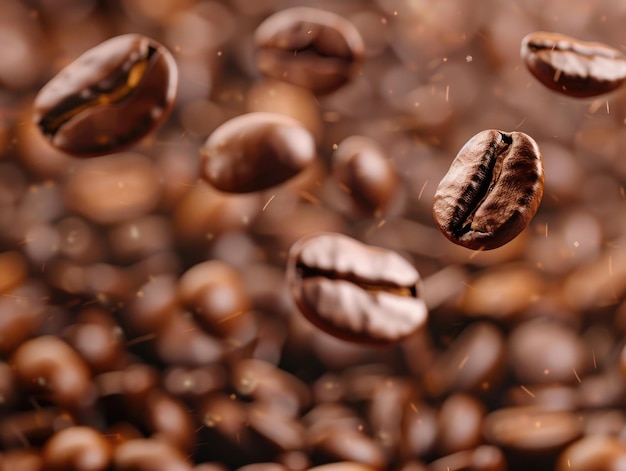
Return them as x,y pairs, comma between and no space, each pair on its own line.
256,151
573,67
491,191
109,98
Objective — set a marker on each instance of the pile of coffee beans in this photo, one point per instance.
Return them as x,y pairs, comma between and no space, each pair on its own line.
322,235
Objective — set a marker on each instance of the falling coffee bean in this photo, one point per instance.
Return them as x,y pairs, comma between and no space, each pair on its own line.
492,190
573,67
109,98
255,151
308,47
354,291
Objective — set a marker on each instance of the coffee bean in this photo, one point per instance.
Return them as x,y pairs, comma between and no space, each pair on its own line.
591,453
255,151
308,47
531,430
27,459
492,190
460,424
573,67
149,455
364,172
77,449
483,458
354,291
109,98
49,366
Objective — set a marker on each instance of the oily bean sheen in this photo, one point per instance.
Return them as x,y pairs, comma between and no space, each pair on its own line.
311,48
354,291
573,67
109,98
492,190
255,151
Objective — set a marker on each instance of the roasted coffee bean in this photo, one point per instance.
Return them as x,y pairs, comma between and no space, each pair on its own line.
365,174
149,455
460,424
32,427
531,430
109,98
255,151
308,47
343,466
354,291
50,367
77,449
573,67
27,459
483,458
492,190
593,453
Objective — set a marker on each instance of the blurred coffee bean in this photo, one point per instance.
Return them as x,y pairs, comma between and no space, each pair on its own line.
32,427
278,430
420,427
354,291
192,384
256,151
113,189
109,98
343,466
546,396
77,449
135,240
24,459
492,190
21,313
79,241
483,458
573,67
546,352
214,293
474,362
593,453
364,172
169,420
49,367
308,47
263,467
265,383
154,303
531,430
603,389
348,445
98,338
604,422
149,455
460,424
13,270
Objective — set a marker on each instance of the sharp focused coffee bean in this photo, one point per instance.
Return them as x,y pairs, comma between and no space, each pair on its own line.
109,98
492,190
256,151
354,291
573,67
312,48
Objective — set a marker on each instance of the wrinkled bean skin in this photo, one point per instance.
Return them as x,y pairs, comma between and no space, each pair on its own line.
492,190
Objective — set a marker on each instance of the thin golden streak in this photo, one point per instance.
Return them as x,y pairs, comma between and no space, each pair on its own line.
448,93
231,316
268,202
463,362
381,223
546,230
419,195
305,195
608,111
414,408
476,252
576,374
610,265
593,356
143,338
520,123
527,391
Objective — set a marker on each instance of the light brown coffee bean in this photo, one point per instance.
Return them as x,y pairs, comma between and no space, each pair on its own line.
483,458
573,67
593,453
531,430
354,291
460,424
491,191
50,367
256,151
149,455
308,47
109,98
77,449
